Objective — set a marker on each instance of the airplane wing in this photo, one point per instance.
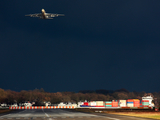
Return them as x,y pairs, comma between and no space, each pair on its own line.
34,15
53,15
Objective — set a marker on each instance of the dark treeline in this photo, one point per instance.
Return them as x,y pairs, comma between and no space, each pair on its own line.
39,95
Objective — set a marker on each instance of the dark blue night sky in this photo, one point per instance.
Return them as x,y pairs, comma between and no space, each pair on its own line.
98,44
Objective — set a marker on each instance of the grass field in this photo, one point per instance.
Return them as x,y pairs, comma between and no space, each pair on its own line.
4,110
154,115
144,114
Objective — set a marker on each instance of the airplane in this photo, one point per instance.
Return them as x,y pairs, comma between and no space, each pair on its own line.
44,15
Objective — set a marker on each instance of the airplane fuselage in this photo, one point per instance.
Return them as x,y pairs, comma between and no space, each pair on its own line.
44,15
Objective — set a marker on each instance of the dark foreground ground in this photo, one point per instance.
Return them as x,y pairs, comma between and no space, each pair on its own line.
61,114
113,110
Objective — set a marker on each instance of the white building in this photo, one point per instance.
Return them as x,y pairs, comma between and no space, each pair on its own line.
80,103
150,98
3,105
14,105
47,103
61,104
27,104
